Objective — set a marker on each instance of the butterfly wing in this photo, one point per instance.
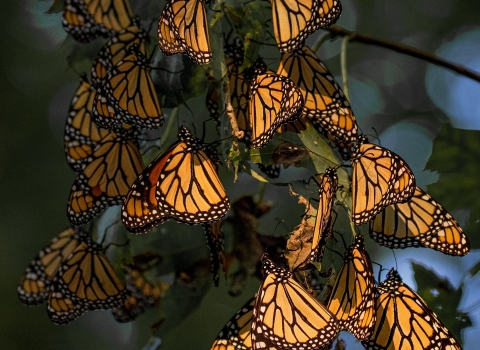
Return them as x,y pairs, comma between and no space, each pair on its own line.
86,281
183,27
380,178
81,135
180,184
214,235
325,104
140,295
87,19
130,91
34,284
273,100
294,20
236,333
287,316
420,222
404,320
352,300
105,179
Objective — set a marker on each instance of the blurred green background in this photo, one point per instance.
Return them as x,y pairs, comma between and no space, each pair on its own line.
404,99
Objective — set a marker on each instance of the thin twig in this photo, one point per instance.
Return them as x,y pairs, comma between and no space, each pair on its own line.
405,49
343,57
229,112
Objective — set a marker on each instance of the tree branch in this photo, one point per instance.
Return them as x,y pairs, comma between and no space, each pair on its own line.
405,49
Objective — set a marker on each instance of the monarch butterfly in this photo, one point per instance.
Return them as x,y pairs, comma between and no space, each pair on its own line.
236,333
213,104
180,184
238,87
87,19
352,299
325,104
287,316
35,282
420,222
86,281
404,320
183,27
140,295
294,20
380,178
116,49
81,134
214,234
273,100
326,192
127,94
105,178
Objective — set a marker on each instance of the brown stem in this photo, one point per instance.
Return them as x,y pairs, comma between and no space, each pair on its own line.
405,49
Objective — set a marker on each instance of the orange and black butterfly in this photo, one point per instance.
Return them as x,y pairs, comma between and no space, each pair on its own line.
380,178
294,20
325,104
85,281
286,316
183,27
352,300
236,333
273,100
141,294
181,184
34,284
81,134
404,320
127,94
105,177
87,19
322,229
214,235
420,222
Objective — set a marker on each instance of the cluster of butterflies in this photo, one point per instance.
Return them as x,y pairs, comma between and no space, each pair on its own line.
106,116
73,275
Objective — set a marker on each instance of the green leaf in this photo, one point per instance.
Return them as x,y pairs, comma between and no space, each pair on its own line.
442,298
455,156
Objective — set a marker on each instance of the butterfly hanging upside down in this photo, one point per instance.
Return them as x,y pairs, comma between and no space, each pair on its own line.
180,184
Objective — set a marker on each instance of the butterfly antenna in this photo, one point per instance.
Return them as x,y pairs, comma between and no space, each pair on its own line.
379,271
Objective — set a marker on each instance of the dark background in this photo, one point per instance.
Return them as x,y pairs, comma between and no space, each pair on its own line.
404,99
